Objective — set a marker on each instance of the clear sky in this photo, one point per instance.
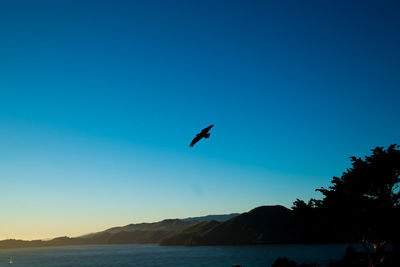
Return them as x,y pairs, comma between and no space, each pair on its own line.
99,101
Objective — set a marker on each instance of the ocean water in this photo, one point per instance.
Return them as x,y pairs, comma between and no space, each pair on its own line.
155,255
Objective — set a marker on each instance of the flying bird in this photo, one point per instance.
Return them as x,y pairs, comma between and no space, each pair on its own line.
204,133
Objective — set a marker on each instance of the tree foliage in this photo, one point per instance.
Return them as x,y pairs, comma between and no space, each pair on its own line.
364,201
373,180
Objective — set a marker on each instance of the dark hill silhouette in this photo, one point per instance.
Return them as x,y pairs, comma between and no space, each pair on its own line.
165,225
189,235
262,225
266,224
130,234
168,225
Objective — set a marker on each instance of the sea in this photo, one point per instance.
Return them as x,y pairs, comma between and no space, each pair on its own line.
161,256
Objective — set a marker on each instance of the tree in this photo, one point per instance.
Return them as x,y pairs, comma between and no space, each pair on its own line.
366,201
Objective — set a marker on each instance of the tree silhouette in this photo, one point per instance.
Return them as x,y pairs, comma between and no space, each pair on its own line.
365,201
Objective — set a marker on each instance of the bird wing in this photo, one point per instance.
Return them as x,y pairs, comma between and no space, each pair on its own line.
195,140
205,130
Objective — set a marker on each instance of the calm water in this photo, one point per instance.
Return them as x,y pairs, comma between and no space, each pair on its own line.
154,255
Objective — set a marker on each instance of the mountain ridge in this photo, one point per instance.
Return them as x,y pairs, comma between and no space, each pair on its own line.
261,225
177,224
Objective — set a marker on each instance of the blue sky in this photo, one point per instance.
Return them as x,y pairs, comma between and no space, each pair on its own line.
99,101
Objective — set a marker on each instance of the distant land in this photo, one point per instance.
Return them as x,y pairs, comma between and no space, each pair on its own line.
262,225
140,233
171,225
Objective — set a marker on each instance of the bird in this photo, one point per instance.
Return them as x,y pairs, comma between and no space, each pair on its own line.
204,133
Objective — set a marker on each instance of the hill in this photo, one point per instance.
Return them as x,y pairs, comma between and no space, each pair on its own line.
266,224
262,225
140,233
168,225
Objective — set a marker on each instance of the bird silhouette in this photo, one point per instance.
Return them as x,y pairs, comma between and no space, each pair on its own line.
204,133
